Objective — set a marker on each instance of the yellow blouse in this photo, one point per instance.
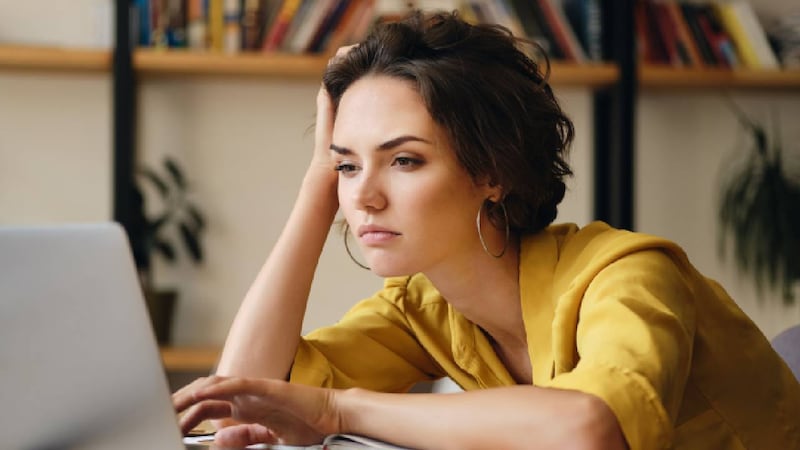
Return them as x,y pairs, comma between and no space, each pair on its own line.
620,315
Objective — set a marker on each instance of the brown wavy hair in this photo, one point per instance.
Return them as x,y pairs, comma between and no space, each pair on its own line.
491,99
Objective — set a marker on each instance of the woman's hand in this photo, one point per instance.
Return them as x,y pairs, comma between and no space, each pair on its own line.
323,129
269,411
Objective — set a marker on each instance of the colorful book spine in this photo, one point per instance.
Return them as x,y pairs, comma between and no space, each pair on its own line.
746,32
279,26
232,34
196,12
143,18
684,35
216,25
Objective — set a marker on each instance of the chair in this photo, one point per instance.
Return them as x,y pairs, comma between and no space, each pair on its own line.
787,344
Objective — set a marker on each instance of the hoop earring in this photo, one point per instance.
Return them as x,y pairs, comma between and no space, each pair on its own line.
347,248
480,233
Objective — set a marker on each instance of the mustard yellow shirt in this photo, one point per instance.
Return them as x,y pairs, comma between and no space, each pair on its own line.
620,315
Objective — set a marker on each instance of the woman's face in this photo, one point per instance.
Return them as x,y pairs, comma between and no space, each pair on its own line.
409,203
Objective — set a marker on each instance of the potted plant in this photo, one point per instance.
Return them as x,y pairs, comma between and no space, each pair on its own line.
177,223
760,212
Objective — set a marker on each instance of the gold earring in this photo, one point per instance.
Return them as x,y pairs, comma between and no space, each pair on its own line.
480,233
347,248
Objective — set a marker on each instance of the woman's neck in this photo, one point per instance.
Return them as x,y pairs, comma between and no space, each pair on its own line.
485,290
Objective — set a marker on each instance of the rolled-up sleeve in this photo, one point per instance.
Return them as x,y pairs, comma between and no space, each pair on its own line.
371,347
634,337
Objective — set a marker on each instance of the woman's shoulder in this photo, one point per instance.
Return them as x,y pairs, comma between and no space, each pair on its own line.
597,245
598,240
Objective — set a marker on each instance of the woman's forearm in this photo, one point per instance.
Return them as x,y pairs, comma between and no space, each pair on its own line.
524,417
265,333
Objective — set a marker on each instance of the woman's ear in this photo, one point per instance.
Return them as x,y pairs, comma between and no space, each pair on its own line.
491,190
494,193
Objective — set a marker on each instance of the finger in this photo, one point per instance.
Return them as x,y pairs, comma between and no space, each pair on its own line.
341,51
228,388
244,435
209,409
323,129
185,397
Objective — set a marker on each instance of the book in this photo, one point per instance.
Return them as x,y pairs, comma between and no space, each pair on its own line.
690,16
196,30
279,26
684,35
585,17
747,33
676,54
143,21
565,38
307,25
535,28
338,13
232,34
216,25
718,38
352,27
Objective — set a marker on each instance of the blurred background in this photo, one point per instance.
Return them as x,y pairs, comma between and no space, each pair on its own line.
229,99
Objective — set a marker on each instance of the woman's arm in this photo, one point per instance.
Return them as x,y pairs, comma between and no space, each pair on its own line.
524,417
267,327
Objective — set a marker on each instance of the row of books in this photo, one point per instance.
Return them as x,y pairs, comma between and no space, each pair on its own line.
705,34
565,29
232,26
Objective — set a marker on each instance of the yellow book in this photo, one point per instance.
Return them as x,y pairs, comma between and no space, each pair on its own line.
216,25
747,53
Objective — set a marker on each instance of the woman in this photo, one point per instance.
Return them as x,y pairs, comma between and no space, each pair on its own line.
592,338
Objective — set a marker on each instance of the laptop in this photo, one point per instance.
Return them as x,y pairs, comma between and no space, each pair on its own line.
79,363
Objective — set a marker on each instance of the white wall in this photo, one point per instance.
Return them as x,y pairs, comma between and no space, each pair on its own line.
685,142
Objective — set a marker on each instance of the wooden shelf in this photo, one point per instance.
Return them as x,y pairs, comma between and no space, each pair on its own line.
189,359
187,63
589,75
56,59
151,62
652,76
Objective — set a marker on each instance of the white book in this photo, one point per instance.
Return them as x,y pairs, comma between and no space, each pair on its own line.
755,33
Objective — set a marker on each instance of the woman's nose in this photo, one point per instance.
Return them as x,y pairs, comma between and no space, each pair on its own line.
369,193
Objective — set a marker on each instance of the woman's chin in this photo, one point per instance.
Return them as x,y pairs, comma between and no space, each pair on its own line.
389,270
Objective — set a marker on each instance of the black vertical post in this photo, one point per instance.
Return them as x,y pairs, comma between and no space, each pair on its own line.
614,119
124,106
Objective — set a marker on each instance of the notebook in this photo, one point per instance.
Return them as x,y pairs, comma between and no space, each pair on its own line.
80,366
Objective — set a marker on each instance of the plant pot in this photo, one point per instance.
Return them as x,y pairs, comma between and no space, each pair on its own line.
161,307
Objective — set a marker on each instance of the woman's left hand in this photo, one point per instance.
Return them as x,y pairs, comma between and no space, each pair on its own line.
268,410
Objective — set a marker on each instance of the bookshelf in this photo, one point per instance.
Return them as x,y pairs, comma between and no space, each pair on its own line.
158,63
148,62
665,77
54,59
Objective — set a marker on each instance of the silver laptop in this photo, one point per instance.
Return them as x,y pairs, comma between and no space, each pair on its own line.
79,365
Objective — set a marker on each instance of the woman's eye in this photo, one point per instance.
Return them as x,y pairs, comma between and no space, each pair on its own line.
345,167
405,161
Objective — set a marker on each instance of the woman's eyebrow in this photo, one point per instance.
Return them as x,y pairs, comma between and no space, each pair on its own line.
388,145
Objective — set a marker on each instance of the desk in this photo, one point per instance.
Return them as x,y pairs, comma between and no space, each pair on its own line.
184,364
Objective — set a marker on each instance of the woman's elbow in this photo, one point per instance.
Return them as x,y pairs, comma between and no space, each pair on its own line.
597,427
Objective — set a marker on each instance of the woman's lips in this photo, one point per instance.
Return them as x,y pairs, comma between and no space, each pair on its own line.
372,235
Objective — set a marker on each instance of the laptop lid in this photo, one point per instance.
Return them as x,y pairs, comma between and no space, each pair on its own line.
79,364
